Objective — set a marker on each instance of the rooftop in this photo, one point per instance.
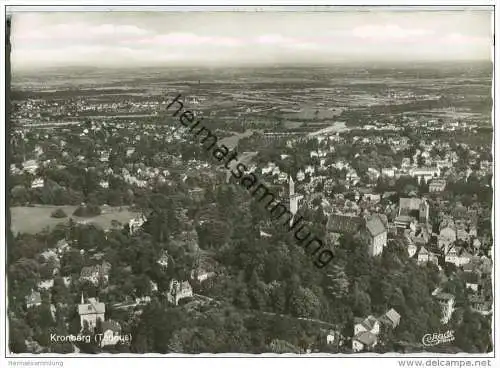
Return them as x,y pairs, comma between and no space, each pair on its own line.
375,225
366,338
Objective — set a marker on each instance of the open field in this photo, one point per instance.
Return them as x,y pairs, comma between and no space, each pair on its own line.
232,141
34,219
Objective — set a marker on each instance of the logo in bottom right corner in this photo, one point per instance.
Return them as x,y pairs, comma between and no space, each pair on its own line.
438,338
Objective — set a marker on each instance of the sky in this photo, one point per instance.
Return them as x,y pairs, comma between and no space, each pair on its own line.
130,39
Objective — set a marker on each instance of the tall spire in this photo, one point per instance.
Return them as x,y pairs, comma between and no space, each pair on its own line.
83,301
291,186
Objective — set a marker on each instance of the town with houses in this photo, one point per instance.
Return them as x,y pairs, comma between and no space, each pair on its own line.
123,226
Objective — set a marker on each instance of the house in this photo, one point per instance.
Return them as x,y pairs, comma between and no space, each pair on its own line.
37,183
390,318
96,273
373,173
344,224
135,224
389,172
403,222
486,165
364,341
30,166
425,173
458,256
437,185
62,246
352,176
422,256
425,256
198,194
452,256
300,175
154,286
90,312
414,207
447,302
104,157
442,163
332,337
50,255
447,236
179,290
143,300
470,268
374,198
479,304
462,233
412,249
111,333
201,274
67,281
163,261
46,284
53,311
373,229
472,286
370,324
33,300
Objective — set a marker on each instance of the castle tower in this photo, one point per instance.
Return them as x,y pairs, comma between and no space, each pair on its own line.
424,212
294,199
291,185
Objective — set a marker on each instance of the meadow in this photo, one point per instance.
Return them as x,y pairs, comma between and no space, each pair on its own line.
34,219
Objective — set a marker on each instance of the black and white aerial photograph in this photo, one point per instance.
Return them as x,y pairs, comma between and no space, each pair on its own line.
256,181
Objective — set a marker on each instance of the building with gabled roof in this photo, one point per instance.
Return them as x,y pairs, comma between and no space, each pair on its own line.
111,333
407,206
480,305
90,312
369,323
33,300
437,185
425,256
365,333
458,256
179,290
390,318
372,229
96,273
414,207
364,341
344,224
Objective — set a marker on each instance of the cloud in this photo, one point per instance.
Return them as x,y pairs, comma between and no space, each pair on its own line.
198,38
74,32
460,39
188,40
272,39
389,32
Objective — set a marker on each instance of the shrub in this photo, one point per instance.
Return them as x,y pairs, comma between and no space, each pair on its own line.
59,213
89,210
